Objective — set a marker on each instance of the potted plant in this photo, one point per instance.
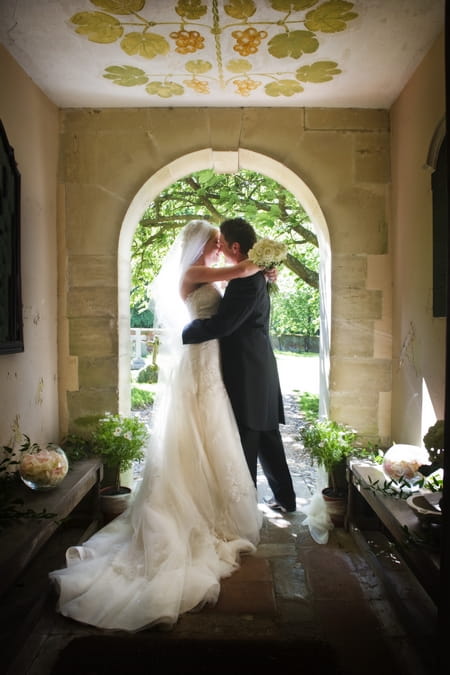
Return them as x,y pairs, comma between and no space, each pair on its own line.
434,443
119,441
329,444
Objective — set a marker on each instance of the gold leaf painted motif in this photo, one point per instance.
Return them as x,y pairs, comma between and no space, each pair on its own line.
164,89
126,76
120,6
240,9
300,25
331,17
248,40
187,41
199,86
293,44
97,27
239,66
283,88
198,66
321,71
192,10
147,45
245,87
292,5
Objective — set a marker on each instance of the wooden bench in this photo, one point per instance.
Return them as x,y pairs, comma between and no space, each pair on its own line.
30,548
401,523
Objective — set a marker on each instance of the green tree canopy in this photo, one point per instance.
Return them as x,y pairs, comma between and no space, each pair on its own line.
273,211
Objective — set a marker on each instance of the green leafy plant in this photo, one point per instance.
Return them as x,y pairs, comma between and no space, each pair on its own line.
148,375
434,442
309,406
119,441
401,488
140,398
329,443
77,447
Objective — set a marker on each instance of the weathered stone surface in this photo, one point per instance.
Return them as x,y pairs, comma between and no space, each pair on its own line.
324,159
348,119
91,402
95,302
360,375
93,337
357,409
92,270
349,271
93,121
357,303
372,162
258,125
94,372
353,338
93,220
225,129
359,221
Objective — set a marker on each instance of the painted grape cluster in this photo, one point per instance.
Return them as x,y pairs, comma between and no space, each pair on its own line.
283,30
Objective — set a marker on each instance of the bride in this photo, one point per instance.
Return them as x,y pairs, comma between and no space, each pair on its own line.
195,511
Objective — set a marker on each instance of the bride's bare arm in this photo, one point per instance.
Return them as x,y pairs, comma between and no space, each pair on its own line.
201,274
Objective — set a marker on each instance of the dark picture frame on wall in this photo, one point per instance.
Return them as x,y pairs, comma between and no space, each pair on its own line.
11,322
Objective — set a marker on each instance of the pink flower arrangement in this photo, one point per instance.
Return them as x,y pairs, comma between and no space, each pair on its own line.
43,468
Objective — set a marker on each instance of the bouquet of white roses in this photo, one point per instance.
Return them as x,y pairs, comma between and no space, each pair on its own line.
268,253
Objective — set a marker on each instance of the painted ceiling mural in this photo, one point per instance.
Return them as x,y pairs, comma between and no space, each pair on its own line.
205,46
222,53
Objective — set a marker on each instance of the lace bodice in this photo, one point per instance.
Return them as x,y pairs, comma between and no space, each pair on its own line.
203,302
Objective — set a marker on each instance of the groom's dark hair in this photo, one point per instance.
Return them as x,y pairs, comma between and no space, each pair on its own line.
238,229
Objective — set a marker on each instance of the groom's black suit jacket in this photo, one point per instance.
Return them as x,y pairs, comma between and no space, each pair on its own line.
248,363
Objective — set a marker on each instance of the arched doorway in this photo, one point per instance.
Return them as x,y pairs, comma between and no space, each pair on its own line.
222,162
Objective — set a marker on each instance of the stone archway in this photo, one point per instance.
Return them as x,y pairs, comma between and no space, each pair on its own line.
222,162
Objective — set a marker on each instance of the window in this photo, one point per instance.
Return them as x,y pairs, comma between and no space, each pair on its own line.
11,327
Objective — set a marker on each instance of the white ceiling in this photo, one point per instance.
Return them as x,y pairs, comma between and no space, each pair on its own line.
373,46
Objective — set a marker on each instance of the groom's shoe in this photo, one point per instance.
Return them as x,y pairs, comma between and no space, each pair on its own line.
275,506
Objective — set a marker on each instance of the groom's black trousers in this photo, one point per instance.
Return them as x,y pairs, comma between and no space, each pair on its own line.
268,447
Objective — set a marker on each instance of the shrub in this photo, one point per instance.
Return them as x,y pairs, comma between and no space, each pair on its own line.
309,406
148,375
140,398
434,442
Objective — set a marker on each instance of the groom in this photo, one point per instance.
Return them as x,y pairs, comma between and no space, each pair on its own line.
248,365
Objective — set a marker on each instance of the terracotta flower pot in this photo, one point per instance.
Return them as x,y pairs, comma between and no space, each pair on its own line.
336,502
113,502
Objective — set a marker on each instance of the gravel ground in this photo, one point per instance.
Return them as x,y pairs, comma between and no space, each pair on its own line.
298,459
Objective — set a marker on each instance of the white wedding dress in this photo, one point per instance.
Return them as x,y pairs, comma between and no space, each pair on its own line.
193,515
